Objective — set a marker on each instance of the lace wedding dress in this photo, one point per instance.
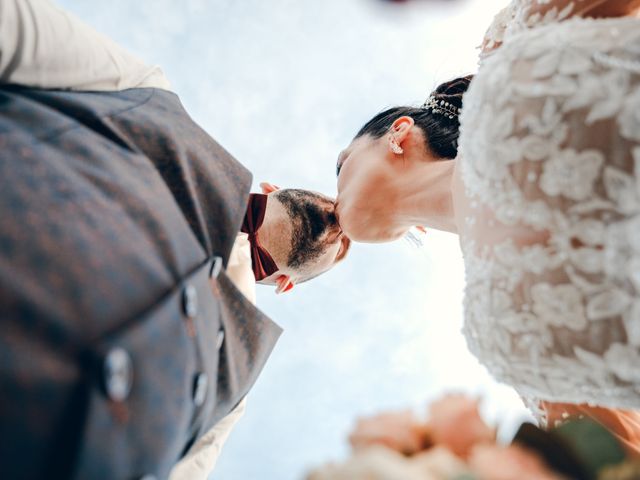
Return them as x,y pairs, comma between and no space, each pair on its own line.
548,205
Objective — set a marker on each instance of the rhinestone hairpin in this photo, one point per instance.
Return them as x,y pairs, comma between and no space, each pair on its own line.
442,107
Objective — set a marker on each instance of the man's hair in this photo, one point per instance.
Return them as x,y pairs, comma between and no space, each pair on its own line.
312,215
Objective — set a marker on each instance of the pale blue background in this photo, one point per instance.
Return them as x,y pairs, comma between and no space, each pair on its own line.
284,85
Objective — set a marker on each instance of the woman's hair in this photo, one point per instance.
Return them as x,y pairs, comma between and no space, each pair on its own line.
441,131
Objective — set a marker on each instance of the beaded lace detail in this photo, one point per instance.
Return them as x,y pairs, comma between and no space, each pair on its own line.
550,216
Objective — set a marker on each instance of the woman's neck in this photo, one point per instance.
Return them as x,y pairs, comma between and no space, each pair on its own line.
427,196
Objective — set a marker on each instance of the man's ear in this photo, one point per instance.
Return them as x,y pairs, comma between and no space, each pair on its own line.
284,284
268,188
401,128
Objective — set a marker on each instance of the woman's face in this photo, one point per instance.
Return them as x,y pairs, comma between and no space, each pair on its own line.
369,183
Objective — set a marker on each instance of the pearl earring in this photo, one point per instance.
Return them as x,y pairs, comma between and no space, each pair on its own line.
395,148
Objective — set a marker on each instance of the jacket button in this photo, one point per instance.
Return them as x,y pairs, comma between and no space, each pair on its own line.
190,301
220,339
118,374
216,267
200,384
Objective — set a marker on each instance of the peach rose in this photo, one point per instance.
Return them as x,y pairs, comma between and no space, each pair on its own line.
399,431
493,462
373,463
439,462
455,423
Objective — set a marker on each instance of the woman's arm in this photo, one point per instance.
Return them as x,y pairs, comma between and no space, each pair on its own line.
522,15
43,46
586,8
624,424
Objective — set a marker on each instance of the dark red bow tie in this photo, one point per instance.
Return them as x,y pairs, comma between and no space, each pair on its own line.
262,263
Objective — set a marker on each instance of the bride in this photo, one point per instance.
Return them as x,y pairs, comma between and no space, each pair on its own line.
544,193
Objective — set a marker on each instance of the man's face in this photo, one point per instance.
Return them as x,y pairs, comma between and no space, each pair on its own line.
312,239
335,246
335,250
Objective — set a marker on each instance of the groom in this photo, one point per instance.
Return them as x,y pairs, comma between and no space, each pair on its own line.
297,237
125,339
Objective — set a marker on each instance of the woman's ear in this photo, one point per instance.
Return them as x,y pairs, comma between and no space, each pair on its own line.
268,188
401,128
284,284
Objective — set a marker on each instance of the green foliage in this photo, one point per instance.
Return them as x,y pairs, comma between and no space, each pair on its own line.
579,449
594,445
624,471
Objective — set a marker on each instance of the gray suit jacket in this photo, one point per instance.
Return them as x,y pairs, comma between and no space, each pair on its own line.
121,338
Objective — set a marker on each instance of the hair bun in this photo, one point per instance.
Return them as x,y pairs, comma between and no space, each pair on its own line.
453,90
437,118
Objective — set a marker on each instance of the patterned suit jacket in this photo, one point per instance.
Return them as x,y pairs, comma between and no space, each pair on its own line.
121,337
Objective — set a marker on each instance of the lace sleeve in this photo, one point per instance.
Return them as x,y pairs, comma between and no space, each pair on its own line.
550,163
494,36
524,14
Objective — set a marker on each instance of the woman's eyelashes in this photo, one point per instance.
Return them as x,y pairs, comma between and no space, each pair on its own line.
340,162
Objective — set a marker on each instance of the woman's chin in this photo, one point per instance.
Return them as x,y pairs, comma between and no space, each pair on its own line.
368,233
389,236
367,224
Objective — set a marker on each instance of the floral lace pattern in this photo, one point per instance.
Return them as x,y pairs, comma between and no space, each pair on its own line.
550,215
520,15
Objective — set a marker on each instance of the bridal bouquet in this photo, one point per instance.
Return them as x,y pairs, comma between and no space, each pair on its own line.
454,443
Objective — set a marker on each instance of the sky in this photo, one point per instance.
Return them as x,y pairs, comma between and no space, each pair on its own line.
284,85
